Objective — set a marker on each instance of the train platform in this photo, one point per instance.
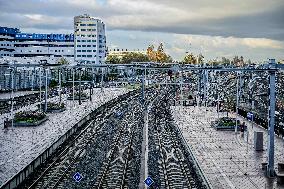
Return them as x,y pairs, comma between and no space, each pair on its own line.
228,160
20,145
7,96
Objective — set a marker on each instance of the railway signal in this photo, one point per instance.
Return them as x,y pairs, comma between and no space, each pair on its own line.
148,181
77,177
250,116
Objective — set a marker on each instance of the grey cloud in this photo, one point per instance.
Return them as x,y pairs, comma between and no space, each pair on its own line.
262,25
267,23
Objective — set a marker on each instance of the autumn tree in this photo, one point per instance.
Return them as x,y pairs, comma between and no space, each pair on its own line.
62,61
190,59
112,59
134,57
151,53
159,55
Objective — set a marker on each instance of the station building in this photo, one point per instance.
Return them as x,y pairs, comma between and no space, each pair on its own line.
87,45
13,43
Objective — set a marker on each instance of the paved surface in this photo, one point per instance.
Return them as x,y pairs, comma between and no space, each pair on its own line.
228,160
6,96
20,145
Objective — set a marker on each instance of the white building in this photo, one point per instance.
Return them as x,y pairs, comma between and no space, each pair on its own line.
7,36
121,52
13,43
44,45
90,39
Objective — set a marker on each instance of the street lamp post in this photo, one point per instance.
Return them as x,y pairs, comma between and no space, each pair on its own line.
59,78
73,83
80,73
181,86
218,95
46,89
237,105
12,95
33,79
90,91
40,108
12,106
102,78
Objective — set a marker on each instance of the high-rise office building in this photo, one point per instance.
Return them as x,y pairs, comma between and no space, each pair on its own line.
90,40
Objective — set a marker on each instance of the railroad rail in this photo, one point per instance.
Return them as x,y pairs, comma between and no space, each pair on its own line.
175,166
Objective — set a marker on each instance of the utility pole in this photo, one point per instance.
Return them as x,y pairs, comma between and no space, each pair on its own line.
272,74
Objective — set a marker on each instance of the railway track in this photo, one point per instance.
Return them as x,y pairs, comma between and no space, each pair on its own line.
111,141
120,168
174,167
61,166
114,171
54,172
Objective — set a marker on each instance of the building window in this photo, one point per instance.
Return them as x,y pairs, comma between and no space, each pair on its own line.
78,40
83,29
89,56
82,24
78,55
78,50
94,41
83,50
94,45
89,50
93,29
94,50
89,45
83,40
78,45
83,55
93,35
83,45
88,40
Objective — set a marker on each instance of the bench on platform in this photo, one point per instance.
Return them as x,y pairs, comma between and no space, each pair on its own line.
280,178
280,174
281,167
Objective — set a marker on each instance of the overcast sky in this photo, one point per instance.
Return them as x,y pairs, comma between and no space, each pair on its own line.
252,28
